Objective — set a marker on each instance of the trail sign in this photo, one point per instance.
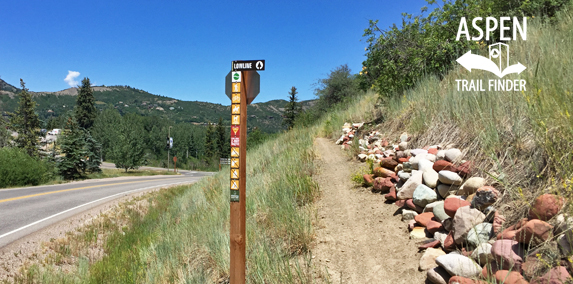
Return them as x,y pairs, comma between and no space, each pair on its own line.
248,65
242,85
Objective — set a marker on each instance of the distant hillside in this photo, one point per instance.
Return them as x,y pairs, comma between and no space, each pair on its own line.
266,116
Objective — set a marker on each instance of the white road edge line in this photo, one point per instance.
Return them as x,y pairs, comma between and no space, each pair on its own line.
71,209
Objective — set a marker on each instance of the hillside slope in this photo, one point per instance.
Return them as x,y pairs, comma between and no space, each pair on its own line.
266,116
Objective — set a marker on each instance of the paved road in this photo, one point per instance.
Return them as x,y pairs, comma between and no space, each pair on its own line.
27,210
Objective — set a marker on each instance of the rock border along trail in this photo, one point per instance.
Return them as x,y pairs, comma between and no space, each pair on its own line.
359,238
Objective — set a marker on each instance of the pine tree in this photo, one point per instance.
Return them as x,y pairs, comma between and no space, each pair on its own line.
222,140
292,109
73,146
93,153
209,142
85,111
26,123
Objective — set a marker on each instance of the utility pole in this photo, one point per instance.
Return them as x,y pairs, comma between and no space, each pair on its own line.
168,145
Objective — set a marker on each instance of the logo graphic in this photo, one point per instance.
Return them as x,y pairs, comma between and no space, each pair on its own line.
497,63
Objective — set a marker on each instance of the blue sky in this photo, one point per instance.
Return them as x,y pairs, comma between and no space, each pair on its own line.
184,49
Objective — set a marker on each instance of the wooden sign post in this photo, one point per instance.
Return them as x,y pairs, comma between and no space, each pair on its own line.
243,89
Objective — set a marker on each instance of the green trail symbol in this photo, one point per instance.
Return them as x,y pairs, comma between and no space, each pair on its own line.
236,76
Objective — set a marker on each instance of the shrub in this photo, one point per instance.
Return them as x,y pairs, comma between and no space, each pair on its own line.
19,169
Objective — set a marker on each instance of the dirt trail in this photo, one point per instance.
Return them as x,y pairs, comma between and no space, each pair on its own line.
359,239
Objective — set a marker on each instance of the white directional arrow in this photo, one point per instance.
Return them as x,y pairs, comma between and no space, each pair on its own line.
473,61
259,65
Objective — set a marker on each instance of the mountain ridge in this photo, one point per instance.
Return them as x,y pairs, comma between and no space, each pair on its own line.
266,116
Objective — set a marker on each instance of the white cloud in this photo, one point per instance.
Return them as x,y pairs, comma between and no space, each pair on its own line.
71,78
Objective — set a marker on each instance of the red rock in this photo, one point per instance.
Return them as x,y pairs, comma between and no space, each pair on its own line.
392,195
449,243
546,206
403,160
465,169
498,221
534,231
463,280
400,203
411,205
388,163
368,179
434,226
432,244
557,275
345,139
451,205
509,233
382,184
378,152
443,165
509,277
382,172
384,143
424,218
508,254
433,151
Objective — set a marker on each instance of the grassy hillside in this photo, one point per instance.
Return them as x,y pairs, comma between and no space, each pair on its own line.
266,116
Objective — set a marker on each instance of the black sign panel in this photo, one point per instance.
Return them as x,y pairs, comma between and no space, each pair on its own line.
248,65
254,83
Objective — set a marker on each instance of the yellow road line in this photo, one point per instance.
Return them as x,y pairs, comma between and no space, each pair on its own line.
64,190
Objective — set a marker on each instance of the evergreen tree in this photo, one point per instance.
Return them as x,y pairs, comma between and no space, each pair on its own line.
209,142
222,140
292,109
104,130
4,134
85,111
26,123
128,150
73,146
93,153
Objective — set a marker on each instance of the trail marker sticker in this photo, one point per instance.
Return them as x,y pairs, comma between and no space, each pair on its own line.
235,152
236,109
236,119
235,173
234,184
234,163
235,77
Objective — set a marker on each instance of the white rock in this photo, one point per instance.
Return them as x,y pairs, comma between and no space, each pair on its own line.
482,254
459,265
447,189
431,157
471,185
441,155
448,177
441,236
403,146
453,154
428,259
408,215
404,176
430,206
425,164
362,157
407,190
430,177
